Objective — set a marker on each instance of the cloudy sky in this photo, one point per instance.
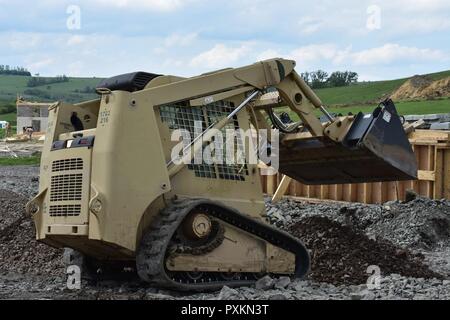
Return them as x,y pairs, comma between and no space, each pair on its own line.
379,39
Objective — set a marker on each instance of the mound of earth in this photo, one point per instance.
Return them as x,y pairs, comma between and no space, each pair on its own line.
440,88
341,255
420,87
19,250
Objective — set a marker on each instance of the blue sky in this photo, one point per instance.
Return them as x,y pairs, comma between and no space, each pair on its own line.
378,39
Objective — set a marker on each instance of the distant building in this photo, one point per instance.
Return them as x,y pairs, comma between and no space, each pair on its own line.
32,114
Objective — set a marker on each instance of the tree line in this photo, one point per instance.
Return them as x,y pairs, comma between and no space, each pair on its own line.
38,81
14,71
321,79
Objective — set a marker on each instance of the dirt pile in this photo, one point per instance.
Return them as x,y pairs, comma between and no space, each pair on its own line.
340,255
421,223
440,88
19,251
418,224
420,87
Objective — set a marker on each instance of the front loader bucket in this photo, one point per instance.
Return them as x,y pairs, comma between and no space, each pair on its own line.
375,149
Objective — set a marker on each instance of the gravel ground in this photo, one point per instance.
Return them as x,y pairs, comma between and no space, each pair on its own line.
408,241
20,179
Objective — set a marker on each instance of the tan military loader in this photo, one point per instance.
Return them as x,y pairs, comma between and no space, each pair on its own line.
111,189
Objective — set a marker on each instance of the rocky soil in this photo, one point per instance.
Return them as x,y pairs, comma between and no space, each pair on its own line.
408,243
421,87
20,179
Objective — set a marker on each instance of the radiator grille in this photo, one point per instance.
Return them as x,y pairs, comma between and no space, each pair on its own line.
66,187
70,210
67,165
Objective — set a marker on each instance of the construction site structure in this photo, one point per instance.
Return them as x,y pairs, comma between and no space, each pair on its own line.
31,115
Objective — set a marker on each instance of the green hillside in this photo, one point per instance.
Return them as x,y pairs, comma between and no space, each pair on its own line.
366,92
10,117
404,108
71,91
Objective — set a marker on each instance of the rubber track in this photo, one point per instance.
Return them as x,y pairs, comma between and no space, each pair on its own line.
151,255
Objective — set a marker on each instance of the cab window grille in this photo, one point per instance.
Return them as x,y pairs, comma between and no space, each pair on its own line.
182,116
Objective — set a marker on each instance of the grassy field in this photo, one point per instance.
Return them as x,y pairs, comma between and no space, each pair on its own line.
10,117
404,108
11,86
366,92
33,160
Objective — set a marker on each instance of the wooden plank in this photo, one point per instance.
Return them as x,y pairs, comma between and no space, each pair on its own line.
282,188
446,175
309,191
271,184
426,175
423,165
429,136
347,193
364,192
339,192
360,192
438,174
292,188
377,192
332,192
401,185
391,191
324,192
354,192
430,155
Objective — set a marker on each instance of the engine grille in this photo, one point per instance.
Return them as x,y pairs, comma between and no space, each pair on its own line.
67,165
66,184
71,210
66,187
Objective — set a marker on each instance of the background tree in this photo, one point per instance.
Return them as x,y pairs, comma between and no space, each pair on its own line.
319,79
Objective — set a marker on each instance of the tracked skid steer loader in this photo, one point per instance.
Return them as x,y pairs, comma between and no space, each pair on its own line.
122,192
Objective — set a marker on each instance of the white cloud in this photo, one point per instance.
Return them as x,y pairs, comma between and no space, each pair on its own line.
416,5
268,54
220,56
39,64
180,39
21,40
154,5
310,25
312,56
75,40
392,52
314,52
